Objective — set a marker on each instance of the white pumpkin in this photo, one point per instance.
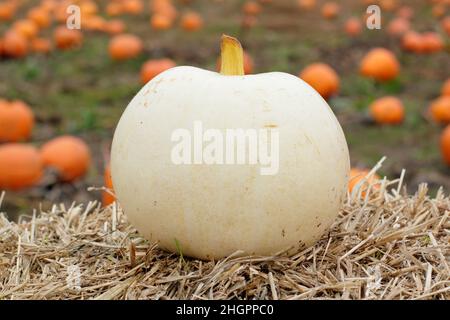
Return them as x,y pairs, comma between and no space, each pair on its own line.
211,211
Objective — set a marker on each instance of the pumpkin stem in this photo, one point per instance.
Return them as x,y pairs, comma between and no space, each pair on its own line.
232,57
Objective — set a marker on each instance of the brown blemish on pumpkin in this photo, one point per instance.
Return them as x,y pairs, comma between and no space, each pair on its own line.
270,125
283,233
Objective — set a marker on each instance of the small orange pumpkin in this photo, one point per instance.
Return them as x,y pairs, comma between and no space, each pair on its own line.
398,27
7,10
66,39
165,8
405,12
191,21
445,91
353,27
114,9
115,26
160,22
67,154
107,198
412,41
16,121
133,7
356,178
27,28
251,8
40,17
322,78
125,46
14,45
152,68
20,166
380,64
88,8
445,145
330,10
440,109
387,110
432,42
94,23
388,5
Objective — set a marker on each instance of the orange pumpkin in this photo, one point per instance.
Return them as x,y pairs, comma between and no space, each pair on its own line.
125,46
191,21
69,155
398,26
107,198
330,10
387,110
165,8
26,28
306,4
88,8
115,26
412,41
405,12
16,121
1,47
114,8
20,166
48,5
14,45
67,38
445,145
41,45
432,42
94,23
440,109
380,64
322,78
160,22
251,8
152,68
388,5
445,91
40,17
133,6
7,10
353,27
356,178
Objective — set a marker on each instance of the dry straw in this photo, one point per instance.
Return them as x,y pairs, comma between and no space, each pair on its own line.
384,245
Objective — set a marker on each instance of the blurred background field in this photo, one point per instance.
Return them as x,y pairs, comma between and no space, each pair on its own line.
82,90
